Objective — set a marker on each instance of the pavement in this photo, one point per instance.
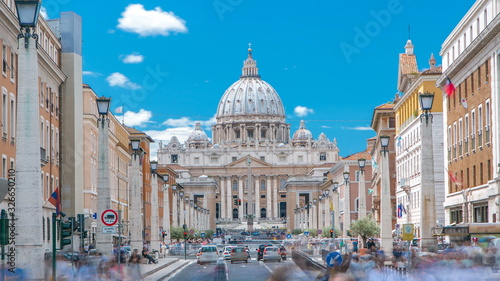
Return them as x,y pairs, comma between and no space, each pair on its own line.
165,268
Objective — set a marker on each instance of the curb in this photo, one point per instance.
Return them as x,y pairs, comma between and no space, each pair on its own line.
153,271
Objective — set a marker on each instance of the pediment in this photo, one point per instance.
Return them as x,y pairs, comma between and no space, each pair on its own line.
255,163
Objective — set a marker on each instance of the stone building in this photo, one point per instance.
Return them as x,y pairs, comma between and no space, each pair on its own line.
251,147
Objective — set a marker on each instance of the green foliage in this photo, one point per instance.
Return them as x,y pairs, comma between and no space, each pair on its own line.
326,232
209,233
365,227
296,231
176,233
313,232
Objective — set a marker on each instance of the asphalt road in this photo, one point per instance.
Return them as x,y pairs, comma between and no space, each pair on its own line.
240,271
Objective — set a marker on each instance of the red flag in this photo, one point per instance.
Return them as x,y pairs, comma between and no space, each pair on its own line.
55,199
449,88
454,179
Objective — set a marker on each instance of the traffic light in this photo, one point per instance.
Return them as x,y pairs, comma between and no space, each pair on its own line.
81,222
331,233
4,228
66,231
239,202
75,224
85,234
235,201
185,235
349,233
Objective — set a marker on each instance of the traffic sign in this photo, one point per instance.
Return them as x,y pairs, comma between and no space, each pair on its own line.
289,236
306,233
191,231
202,234
109,229
408,231
320,231
334,259
109,217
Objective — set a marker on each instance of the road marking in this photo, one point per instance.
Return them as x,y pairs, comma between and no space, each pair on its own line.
265,265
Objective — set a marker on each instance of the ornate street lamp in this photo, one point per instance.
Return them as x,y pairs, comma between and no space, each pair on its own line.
335,186
165,178
153,165
426,100
346,176
103,109
384,143
361,164
27,15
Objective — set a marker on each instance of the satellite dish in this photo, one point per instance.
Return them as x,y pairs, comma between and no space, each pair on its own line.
4,188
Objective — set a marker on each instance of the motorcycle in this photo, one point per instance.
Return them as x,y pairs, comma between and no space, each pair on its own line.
283,255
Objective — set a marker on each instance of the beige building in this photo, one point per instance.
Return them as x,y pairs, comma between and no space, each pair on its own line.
251,157
119,159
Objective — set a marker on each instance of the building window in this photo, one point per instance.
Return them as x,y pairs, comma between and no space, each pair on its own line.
235,185
263,133
4,112
392,122
237,133
322,156
282,183
12,59
250,133
263,196
263,185
456,215
197,160
263,158
214,160
301,159
4,59
282,158
481,213
174,158
233,159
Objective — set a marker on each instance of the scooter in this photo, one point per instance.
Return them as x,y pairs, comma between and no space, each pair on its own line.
283,255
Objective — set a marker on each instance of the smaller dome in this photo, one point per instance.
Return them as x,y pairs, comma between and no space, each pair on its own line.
216,146
302,133
198,134
281,145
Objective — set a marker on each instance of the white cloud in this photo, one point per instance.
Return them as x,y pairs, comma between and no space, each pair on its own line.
90,73
133,119
136,19
120,80
359,128
302,111
133,58
182,134
185,122
326,127
43,13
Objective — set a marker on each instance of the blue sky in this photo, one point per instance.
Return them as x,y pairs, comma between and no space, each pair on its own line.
168,63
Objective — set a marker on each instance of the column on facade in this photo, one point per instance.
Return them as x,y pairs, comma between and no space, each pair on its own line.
271,132
275,196
240,196
347,208
175,210
136,223
269,190
314,209
336,211
222,198
257,132
166,213
229,197
257,198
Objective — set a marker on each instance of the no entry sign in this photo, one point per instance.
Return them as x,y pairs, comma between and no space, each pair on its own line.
109,217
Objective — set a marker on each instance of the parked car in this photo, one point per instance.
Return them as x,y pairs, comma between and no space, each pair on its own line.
207,254
239,254
271,253
260,251
226,253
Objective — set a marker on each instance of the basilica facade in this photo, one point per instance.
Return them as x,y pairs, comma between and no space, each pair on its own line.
252,165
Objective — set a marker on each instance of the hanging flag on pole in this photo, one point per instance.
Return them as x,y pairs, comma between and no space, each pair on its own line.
453,178
370,191
55,199
374,164
331,207
449,88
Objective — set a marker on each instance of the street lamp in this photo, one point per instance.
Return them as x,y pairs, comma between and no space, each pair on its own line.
165,178
154,166
27,15
103,109
347,203
28,213
136,203
155,234
385,199
426,100
361,188
335,186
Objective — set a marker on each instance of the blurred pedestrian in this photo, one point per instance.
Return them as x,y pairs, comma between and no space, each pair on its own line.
134,270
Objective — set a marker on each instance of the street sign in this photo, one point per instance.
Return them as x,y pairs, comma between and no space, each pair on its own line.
408,231
191,231
202,234
320,231
289,236
306,233
109,217
109,229
334,259
94,216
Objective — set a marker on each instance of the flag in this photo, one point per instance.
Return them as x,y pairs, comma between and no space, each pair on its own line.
374,164
449,88
119,109
331,207
400,212
464,103
370,191
453,178
403,208
55,199
399,141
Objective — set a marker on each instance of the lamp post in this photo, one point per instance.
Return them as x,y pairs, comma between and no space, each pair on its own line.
166,208
136,209
385,199
29,191
104,242
347,204
315,213
155,229
361,189
427,188
335,199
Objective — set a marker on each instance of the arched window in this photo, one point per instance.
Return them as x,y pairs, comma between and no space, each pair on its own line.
235,213
235,185
263,185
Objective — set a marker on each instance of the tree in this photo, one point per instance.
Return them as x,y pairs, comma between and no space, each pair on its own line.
312,232
365,227
326,232
209,233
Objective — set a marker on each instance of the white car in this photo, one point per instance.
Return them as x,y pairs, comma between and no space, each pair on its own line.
226,253
207,254
271,253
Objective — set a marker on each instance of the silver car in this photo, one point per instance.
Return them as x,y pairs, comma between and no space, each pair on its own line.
207,254
271,253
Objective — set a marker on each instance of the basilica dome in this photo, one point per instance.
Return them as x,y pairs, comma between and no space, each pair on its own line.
198,134
250,95
302,133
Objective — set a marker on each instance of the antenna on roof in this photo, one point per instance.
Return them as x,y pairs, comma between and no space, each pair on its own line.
409,32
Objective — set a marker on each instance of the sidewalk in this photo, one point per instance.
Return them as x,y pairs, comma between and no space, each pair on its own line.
164,267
